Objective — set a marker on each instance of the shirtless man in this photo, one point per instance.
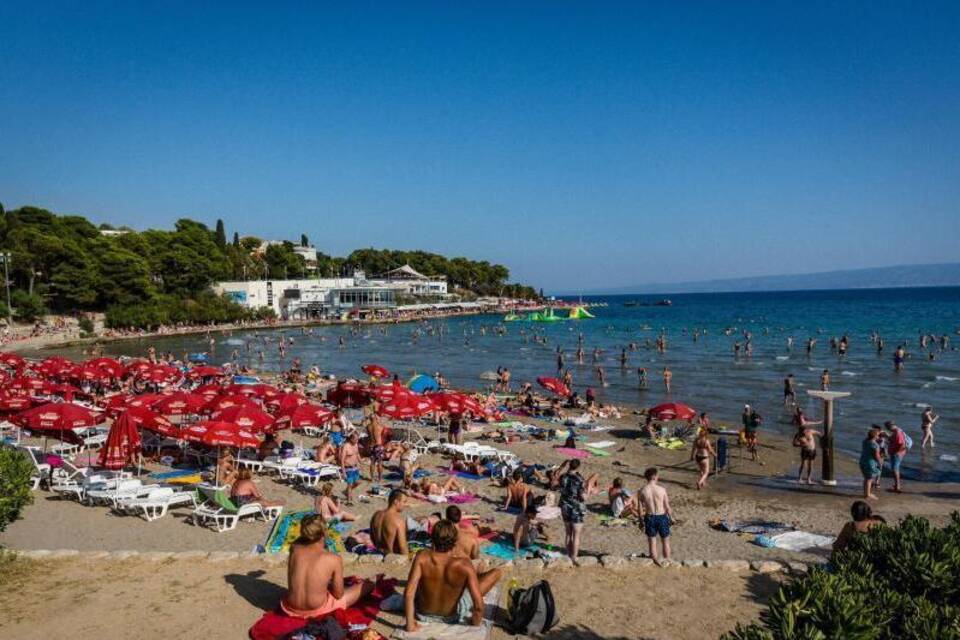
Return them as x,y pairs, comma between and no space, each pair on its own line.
518,491
443,586
315,576
377,450
349,459
655,507
468,538
526,529
388,528
806,440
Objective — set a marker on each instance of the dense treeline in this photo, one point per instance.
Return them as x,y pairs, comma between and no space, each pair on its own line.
66,264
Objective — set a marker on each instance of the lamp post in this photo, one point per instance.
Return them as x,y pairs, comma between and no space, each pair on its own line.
5,256
827,443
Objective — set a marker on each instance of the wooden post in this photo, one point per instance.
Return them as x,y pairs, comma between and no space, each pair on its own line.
826,443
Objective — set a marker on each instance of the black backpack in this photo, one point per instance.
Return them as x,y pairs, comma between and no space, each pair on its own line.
532,610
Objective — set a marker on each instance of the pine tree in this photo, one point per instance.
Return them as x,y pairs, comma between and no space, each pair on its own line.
236,239
221,234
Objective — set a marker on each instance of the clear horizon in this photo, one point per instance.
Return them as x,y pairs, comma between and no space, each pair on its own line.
583,147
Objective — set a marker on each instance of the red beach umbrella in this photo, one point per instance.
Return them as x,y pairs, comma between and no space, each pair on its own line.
111,366
208,391
407,407
246,417
143,400
220,403
305,415
12,360
179,404
57,416
286,402
456,403
122,446
375,370
205,371
10,402
151,421
554,385
237,389
25,384
672,411
137,367
349,394
220,434
159,374
55,366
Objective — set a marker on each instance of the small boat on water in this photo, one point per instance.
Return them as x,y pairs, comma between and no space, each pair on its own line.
631,303
666,302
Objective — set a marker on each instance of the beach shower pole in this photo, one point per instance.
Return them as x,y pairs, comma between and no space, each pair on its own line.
827,443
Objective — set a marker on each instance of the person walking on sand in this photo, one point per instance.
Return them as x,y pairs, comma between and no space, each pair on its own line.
896,449
667,378
927,420
655,507
702,451
871,462
572,489
349,459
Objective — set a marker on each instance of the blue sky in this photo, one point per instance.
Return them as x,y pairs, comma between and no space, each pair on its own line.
581,144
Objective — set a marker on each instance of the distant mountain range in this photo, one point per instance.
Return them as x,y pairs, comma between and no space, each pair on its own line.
914,275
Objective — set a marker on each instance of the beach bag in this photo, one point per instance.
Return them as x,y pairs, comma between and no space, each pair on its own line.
532,610
907,441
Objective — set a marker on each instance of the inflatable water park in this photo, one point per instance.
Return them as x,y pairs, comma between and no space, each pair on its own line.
548,315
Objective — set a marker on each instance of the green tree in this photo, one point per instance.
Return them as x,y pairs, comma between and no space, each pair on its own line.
27,307
15,472
221,234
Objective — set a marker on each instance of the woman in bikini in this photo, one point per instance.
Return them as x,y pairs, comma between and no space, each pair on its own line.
244,491
702,451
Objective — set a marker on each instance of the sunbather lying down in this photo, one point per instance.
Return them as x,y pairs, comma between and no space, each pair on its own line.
429,487
315,576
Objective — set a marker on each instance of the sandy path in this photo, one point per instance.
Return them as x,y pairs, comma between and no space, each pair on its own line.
179,598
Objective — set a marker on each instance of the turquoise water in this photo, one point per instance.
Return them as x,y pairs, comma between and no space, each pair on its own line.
705,373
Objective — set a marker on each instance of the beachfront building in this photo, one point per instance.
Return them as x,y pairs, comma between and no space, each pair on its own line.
408,281
311,298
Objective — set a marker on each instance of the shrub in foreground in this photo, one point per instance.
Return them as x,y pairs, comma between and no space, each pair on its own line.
15,472
894,583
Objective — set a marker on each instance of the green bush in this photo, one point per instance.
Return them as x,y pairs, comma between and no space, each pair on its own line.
27,307
898,583
86,325
15,472
204,308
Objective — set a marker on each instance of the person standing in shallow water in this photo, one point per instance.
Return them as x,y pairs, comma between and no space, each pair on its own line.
667,379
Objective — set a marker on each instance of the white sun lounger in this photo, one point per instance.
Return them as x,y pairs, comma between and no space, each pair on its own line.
41,470
219,510
124,489
156,503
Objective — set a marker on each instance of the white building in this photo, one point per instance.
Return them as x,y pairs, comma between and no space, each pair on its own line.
409,281
313,298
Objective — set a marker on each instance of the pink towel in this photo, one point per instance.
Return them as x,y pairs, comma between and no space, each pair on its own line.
464,498
572,453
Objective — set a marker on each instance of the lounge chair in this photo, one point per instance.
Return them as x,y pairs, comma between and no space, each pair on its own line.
156,503
219,510
312,475
115,492
41,470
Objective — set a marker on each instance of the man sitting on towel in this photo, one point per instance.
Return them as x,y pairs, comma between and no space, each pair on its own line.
445,587
315,576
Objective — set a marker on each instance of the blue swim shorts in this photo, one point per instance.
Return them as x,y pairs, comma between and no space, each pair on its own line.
353,476
658,525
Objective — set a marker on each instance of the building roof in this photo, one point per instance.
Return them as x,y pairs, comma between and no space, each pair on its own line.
406,272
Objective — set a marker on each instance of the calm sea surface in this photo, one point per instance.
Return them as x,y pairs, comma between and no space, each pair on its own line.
706,374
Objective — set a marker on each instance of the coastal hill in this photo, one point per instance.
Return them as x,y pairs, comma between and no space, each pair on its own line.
915,275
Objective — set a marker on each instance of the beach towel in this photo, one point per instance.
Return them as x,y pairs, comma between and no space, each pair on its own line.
801,541
286,530
441,631
600,453
572,453
419,473
169,476
602,444
460,474
275,625
462,498
610,521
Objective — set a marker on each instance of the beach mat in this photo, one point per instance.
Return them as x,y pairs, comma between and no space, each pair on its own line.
441,631
572,453
801,541
276,625
460,474
600,453
286,529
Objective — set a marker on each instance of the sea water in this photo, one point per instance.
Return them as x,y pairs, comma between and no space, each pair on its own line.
706,375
